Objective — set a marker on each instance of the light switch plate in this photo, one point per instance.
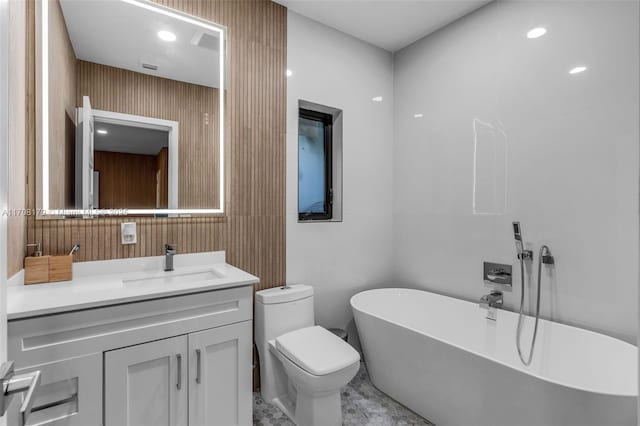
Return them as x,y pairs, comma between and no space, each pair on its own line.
129,233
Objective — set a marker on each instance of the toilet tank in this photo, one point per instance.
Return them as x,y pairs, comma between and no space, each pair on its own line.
280,310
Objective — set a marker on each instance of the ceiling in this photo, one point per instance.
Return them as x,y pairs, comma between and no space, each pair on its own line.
389,24
129,139
122,35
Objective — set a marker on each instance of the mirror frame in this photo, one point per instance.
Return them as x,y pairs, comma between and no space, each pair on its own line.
42,128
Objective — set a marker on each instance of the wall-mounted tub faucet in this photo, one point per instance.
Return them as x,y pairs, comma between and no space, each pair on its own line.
491,302
169,252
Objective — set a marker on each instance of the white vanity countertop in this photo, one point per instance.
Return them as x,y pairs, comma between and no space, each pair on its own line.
103,283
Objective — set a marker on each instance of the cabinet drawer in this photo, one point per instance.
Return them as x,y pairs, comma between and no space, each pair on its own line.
36,340
70,393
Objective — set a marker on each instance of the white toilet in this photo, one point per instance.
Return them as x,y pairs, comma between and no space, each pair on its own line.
302,366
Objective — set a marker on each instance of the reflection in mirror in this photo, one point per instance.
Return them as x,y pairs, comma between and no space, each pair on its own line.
142,150
132,109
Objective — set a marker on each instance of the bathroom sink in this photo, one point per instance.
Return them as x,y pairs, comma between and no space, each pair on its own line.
174,277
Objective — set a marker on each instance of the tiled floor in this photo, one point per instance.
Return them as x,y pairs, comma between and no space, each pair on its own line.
362,404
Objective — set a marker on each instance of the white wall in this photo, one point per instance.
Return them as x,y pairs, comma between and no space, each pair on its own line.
341,258
562,149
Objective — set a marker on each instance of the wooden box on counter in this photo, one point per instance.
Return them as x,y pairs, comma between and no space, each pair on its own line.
60,268
45,269
36,269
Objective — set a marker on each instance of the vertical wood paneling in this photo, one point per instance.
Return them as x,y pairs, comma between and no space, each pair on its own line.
253,230
34,232
17,224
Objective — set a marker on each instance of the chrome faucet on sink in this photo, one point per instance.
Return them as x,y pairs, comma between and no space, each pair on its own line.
169,252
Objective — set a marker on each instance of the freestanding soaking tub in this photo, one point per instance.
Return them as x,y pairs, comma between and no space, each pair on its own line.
443,359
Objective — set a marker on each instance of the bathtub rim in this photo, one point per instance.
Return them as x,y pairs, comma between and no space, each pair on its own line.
519,368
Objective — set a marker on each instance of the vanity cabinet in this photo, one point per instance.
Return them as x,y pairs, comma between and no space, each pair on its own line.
201,379
182,360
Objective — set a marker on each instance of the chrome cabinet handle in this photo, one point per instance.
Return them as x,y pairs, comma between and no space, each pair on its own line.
17,383
179,383
198,365
31,381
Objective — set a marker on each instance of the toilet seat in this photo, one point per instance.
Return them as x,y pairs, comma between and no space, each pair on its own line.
316,350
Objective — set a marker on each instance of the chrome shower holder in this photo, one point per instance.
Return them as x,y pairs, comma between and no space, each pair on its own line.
547,257
525,255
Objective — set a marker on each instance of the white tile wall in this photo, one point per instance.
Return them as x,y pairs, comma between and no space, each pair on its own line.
506,133
557,152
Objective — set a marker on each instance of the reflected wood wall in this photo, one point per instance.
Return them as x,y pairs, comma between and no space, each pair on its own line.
162,165
253,230
62,111
126,180
194,107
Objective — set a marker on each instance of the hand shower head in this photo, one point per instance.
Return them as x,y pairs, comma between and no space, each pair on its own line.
517,234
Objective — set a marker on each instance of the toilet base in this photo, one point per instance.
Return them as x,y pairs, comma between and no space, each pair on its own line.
321,410
286,406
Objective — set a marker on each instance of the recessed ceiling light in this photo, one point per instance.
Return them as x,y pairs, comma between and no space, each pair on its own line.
377,99
102,131
577,70
166,36
419,115
536,32
289,73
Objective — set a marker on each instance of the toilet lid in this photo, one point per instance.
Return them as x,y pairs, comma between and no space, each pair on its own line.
317,350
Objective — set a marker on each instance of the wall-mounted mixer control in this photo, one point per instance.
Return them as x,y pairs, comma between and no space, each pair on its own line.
497,275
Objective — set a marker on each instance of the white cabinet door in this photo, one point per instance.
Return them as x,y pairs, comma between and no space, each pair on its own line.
147,384
220,379
70,393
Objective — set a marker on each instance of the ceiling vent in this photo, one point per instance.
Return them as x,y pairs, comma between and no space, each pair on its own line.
205,40
149,66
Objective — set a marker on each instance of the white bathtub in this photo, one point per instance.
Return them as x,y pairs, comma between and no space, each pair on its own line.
443,359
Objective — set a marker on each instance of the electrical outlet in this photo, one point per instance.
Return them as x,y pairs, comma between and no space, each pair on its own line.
129,233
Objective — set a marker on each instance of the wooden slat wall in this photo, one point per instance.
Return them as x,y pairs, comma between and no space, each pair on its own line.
17,224
253,230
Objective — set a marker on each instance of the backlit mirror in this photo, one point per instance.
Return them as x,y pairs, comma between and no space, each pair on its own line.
131,103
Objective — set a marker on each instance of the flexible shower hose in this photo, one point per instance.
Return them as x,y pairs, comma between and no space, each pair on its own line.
544,249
